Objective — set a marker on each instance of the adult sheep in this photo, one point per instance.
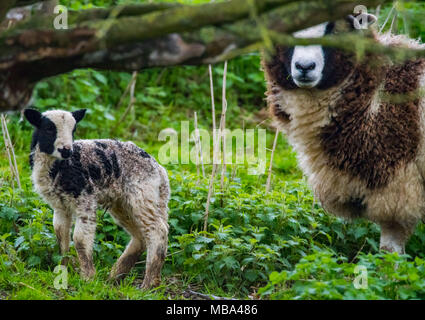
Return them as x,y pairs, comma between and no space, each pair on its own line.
75,177
363,153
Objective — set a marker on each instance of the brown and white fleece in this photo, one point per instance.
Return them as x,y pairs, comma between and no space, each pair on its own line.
359,135
77,177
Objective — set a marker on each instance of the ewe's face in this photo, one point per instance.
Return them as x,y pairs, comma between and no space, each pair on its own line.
54,131
314,66
307,62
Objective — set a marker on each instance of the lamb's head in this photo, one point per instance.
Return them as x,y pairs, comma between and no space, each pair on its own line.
315,66
54,130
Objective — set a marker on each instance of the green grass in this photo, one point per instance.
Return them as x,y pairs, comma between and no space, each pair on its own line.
280,245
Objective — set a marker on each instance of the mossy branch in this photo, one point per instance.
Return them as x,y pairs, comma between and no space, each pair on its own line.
136,37
357,43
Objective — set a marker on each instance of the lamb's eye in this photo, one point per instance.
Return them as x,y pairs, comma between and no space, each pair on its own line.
50,129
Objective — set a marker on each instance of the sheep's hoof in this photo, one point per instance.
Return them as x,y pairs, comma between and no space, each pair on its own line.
392,249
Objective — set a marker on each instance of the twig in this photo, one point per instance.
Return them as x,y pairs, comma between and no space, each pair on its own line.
160,76
361,248
132,85
198,148
210,187
168,255
6,145
13,156
222,131
392,24
206,296
378,11
235,166
214,168
212,97
271,161
32,288
127,89
386,20
10,151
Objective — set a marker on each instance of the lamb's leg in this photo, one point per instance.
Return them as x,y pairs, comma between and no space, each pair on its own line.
394,237
62,221
84,232
128,259
156,244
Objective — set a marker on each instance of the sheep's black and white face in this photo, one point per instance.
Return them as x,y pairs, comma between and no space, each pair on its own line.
54,131
314,66
307,62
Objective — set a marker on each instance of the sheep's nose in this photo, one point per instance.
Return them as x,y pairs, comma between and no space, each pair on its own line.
65,152
305,67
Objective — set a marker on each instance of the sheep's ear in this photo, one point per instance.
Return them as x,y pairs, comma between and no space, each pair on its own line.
79,114
361,21
33,116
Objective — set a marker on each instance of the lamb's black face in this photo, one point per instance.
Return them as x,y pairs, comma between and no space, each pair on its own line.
314,66
54,131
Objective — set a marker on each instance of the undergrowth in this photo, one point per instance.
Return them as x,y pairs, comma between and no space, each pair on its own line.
276,245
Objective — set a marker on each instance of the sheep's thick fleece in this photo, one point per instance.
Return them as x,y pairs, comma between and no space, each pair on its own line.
360,138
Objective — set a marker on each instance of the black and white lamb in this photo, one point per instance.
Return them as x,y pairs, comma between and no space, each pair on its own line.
75,177
358,128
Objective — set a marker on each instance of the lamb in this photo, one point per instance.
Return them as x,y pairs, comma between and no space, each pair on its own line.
362,150
75,177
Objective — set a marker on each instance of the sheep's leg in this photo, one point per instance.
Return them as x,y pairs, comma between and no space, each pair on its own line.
62,221
128,259
394,237
156,243
84,232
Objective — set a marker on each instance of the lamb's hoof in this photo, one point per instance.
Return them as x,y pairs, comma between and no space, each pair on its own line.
115,279
88,275
65,261
149,284
144,286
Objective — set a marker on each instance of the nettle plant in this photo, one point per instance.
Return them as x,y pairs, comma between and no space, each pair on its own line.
253,233
324,275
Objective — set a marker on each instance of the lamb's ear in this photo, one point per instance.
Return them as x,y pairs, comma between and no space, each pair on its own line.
33,116
361,21
79,114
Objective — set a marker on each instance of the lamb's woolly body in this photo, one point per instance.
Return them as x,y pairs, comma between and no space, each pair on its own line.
118,176
389,189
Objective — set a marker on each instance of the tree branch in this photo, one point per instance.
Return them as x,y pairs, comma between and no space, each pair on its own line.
136,37
356,43
5,6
